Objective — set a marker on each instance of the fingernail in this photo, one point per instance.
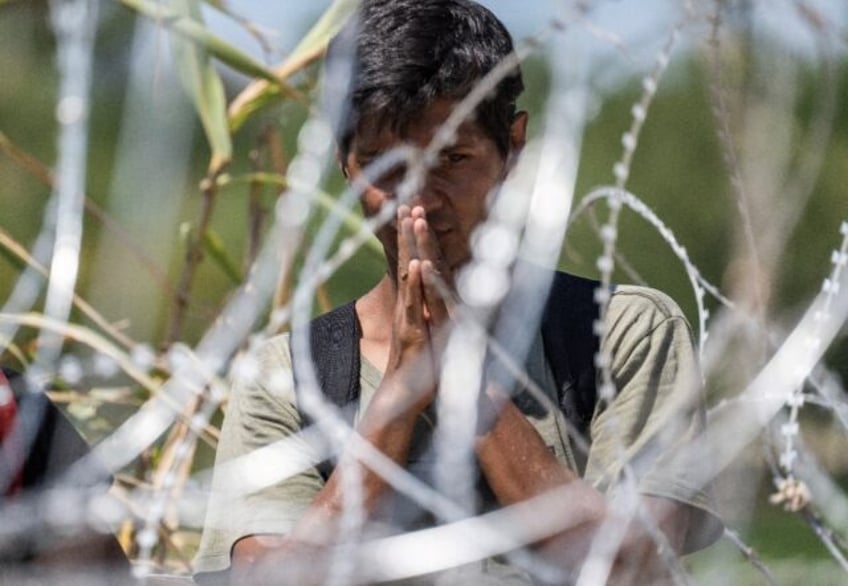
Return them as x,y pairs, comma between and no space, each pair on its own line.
427,272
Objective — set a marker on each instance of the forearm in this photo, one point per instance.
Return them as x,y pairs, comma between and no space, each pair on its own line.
518,466
295,558
514,458
387,427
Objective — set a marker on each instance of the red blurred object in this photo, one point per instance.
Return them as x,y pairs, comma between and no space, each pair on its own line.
8,411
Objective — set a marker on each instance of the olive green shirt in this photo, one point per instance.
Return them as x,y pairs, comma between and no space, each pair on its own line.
658,405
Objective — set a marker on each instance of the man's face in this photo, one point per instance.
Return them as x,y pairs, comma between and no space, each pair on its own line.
453,192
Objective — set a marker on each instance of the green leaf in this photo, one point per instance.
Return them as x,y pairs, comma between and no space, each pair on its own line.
214,247
310,48
12,259
193,29
205,87
325,29
193,45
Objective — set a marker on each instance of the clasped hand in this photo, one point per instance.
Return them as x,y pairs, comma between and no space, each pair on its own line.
421,319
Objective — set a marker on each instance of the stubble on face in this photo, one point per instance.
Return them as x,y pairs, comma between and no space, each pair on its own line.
454,192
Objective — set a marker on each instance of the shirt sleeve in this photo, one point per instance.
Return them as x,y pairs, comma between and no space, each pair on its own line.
264,477
658,410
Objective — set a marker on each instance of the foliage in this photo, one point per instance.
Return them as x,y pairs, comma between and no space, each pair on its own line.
691,165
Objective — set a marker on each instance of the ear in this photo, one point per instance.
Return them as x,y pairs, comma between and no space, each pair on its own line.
517,138
342,164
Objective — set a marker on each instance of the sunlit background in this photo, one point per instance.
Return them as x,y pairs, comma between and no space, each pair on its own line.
751,109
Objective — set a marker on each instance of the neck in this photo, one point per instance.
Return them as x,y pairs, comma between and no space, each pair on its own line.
376,309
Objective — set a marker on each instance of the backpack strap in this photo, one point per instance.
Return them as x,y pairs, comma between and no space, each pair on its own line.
334,341
570,343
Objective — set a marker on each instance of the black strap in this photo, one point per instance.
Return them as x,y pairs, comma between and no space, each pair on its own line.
571,344
334,341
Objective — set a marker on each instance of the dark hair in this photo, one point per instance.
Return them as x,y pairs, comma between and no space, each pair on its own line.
398,56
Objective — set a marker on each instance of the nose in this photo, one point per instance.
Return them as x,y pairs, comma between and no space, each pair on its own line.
426,200
427,195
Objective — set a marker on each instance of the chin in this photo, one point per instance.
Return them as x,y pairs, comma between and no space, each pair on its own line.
457,265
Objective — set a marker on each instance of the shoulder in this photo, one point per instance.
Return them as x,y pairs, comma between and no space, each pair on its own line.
635,313
261,378
271,361
275,352
637,301
626,301
646,331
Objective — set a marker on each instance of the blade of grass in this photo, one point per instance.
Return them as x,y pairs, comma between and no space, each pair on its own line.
32,165
193,257
256,212
89,338
12,259
97,342
19,254
214,45
193,44
310,48
217,251
252,29
204,85
16,352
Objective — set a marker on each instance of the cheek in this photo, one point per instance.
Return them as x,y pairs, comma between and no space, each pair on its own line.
372,200
470,198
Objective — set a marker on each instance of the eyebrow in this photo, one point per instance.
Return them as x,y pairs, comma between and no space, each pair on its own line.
466,137
460,143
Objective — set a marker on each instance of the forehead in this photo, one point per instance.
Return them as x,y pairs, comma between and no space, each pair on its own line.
377,135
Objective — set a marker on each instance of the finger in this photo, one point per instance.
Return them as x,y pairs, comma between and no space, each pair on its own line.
435,294
417,332
413,295
429,248
425,240
408,234
404,255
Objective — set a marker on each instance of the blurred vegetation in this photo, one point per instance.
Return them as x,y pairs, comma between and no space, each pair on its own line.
678,171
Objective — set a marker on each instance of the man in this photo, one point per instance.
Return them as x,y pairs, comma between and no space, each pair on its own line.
413,62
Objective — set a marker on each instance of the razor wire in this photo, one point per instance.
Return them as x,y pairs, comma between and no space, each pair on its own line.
194,389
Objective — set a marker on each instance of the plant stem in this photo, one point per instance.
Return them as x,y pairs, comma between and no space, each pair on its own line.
194,255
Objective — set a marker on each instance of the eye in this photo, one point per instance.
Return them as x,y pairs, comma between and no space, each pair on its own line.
454,157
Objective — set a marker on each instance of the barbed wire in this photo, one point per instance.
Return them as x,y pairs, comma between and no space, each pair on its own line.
186,384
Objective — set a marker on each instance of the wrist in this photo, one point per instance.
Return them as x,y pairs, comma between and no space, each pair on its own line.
396,403
489,405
